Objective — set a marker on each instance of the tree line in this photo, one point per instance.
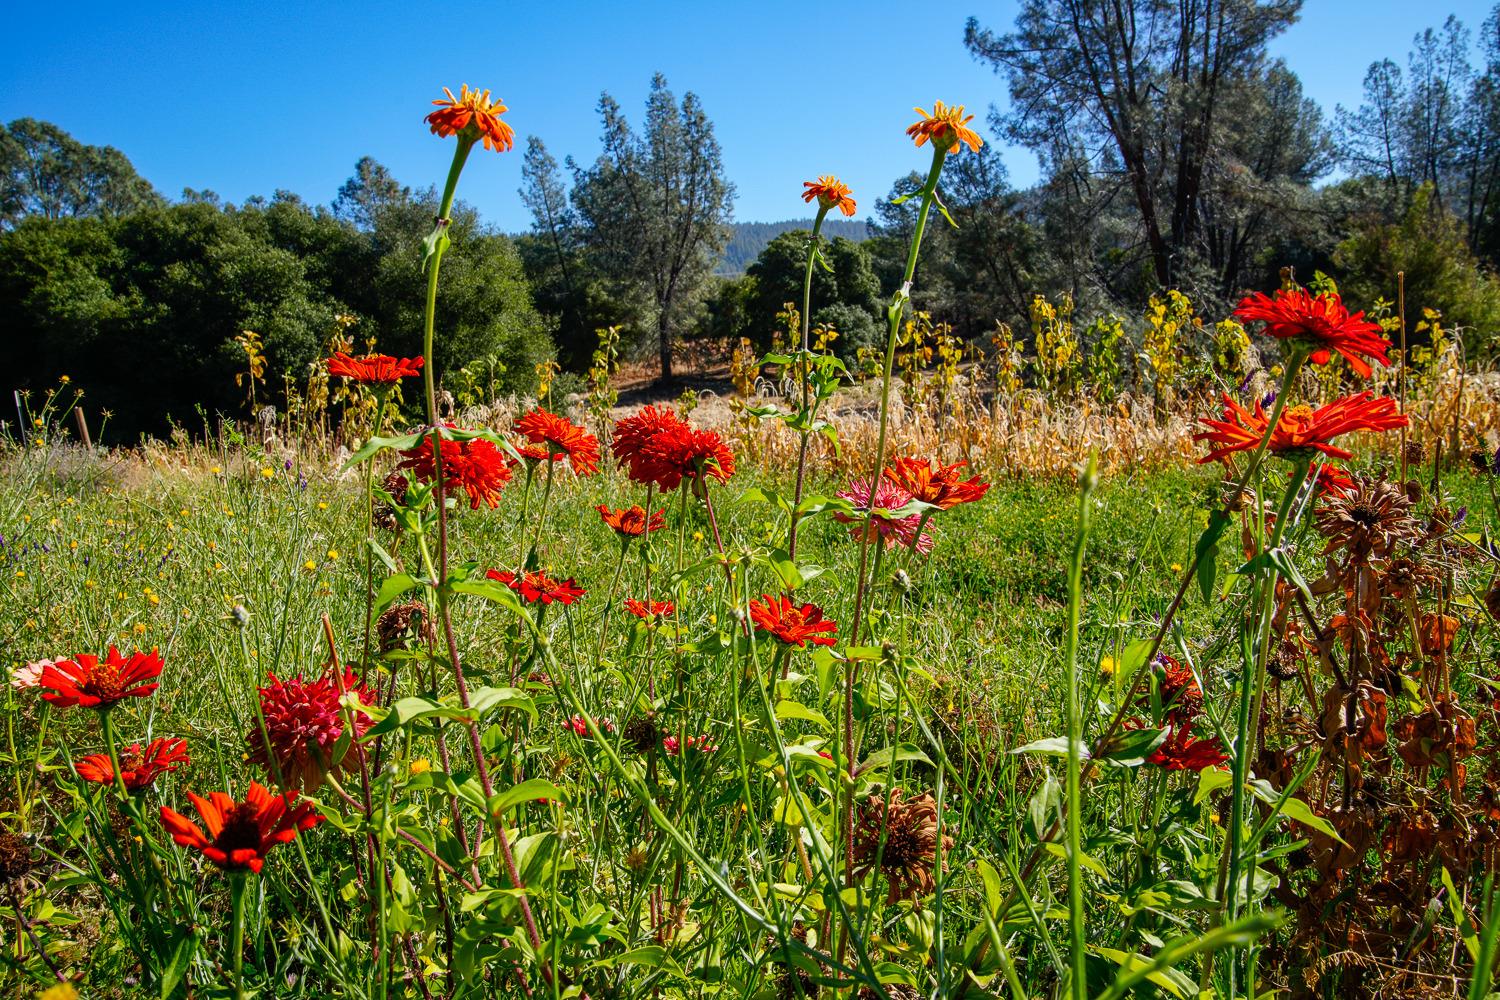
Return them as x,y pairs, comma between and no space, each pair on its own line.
1177,154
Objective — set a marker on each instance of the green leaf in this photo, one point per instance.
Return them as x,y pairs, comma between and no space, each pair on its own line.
1206,553
492,591
1210,780
1130,748
394,587
796,710
1052,746
435,244
1294,808
526,791
881,759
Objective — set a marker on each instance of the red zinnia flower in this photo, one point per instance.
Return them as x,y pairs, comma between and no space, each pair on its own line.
1300,428
475,466
472,109
1330,479
1322,322
699,743
1180,693
537,587
304,724
886,530
1182,752
580,726
632,522
649,612
680,452
830,192
560,437
631,435
87,682
240,834
138,768
936,484
374,369
793,624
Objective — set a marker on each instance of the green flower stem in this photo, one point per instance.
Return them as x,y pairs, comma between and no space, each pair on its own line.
237,883
481,766
541,518
107,723
382,395
609,602
805,373
1253,659
894,314
1077,954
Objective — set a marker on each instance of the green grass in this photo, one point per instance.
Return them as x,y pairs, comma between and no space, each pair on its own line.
974,638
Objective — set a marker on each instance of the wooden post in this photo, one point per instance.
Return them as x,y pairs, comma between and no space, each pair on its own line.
83,426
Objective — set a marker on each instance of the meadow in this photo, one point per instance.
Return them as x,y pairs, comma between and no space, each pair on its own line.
913,681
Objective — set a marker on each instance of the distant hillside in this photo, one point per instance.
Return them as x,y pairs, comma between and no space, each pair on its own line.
750,238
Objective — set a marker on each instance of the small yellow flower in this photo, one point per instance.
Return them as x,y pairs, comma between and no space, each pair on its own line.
322,506
1107,666
62,991
215,470
421,766
73,545
88,585
65,379
333,553
37,422
154,600
267,473
1177,567
697,536
309,565
140,628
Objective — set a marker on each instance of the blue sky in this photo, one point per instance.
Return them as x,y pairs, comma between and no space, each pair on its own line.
247,98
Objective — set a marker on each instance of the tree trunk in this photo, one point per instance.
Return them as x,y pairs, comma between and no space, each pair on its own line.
664,344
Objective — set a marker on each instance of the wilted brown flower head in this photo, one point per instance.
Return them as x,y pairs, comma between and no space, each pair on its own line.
400,621
910,833
16,858
1368,520
1407,577
641,732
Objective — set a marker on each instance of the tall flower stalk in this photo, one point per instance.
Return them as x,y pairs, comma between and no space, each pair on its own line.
944,128
470,119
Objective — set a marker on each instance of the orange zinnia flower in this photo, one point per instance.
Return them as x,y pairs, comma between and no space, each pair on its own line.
138,768
472,110
1322,322
649,612
240,834
830,192
87,682
561,437
632,522
374,369
936,484
945,127
792,624
1300,428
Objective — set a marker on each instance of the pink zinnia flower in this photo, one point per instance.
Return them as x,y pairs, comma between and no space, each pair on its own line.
886,530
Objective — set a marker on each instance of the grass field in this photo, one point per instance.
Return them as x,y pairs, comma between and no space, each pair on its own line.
228,565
